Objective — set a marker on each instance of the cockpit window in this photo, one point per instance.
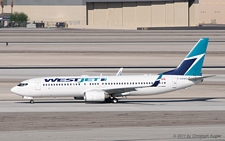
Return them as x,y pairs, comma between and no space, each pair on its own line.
22,84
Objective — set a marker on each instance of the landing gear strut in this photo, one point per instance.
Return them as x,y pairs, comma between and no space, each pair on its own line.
31,101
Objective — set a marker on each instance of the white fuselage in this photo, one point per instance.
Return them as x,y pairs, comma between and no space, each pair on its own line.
76,86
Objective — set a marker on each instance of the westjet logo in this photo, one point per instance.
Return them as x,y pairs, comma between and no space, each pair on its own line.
75,80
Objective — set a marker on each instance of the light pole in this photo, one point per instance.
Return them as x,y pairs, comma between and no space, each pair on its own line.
2,5
12,6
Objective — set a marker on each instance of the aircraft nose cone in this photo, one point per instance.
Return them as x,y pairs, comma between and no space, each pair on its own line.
14,90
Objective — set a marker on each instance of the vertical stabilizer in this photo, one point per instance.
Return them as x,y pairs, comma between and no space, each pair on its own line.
192,63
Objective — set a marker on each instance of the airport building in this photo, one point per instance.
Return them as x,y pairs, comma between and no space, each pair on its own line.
121,13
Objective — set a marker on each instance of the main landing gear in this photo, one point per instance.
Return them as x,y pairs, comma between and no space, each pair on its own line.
111,100
31,101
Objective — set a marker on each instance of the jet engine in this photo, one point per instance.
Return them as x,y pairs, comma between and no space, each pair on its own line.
94,96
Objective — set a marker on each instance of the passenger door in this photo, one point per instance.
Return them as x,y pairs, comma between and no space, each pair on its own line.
37,85
174,83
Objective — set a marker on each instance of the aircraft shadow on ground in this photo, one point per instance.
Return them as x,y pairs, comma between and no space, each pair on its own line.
123,101
169,100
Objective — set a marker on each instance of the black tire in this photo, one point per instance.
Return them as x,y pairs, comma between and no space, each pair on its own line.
32,101
114,100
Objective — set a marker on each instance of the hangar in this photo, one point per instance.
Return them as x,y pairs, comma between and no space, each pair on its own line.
121,13
145,13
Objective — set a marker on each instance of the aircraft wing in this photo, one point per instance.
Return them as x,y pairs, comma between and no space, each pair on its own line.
119,90
200,77
129,89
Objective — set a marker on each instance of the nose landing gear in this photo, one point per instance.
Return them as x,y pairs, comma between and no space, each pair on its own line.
31,101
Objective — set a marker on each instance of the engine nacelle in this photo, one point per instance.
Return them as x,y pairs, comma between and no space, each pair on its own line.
94,96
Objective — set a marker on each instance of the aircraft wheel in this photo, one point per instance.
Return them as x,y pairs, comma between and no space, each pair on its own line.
31,101
114,100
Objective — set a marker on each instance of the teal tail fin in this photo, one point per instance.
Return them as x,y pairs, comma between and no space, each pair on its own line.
192,63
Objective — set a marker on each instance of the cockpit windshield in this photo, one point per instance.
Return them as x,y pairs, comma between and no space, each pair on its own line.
22,84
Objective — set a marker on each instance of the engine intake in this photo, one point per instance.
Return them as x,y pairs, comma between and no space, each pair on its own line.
94,96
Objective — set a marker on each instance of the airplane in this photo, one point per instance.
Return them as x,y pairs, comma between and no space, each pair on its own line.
108,88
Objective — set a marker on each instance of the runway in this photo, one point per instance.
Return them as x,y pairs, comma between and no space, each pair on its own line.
107,36
196,113
149,119
162,133
192,104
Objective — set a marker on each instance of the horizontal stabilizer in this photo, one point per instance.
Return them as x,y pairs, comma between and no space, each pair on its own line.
200,77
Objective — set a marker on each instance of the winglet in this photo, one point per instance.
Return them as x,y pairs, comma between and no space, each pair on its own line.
156,83
119,73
